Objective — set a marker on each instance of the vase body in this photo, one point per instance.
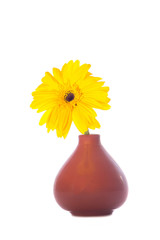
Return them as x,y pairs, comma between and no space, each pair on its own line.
90,183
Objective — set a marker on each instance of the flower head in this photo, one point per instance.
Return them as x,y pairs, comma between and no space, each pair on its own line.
70,95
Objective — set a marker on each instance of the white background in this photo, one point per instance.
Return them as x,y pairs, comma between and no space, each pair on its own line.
121,40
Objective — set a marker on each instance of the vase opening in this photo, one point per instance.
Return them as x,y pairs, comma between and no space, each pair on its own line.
89,139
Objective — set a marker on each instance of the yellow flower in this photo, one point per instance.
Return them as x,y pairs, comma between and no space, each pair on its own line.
70,95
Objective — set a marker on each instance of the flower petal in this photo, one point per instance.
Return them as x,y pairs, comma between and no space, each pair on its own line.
80,74
58,75
84,118
53,119
64,120
88,82
73,72
43,101
97,97
45,117
50,81
93,103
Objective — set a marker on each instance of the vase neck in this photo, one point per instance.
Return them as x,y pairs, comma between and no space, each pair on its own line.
89,139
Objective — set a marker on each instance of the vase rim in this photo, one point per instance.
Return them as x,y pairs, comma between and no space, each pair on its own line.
89,139
88,135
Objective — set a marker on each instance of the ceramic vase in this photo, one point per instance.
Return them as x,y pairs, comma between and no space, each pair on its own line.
90,183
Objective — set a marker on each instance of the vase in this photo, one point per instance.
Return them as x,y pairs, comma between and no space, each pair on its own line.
90,183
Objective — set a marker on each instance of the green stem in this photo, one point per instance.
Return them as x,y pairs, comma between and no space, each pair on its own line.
87,132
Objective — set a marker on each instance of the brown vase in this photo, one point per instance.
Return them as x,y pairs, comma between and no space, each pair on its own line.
90,183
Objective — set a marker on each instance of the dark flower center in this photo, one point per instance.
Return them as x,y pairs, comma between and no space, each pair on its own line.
69,97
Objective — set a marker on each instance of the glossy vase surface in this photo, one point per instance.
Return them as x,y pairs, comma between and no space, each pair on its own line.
90,183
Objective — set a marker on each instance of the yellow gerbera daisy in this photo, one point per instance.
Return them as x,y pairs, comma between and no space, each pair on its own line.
70,95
